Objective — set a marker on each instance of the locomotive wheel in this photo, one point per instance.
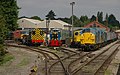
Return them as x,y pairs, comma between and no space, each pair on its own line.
72,45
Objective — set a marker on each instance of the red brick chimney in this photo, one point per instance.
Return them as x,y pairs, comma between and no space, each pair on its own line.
96,19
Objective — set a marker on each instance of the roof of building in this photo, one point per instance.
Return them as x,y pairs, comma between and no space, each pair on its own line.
61,22
32,20
31,23
117,31
98,24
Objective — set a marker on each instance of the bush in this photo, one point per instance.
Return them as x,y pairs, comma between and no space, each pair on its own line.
2,51
1,58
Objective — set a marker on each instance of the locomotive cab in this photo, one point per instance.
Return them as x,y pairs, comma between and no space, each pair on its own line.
87,37
55,38
76,40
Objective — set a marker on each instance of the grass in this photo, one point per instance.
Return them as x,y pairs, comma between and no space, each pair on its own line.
24,62
6,58
107,72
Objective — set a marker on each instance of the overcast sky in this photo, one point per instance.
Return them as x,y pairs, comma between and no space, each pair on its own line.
62,8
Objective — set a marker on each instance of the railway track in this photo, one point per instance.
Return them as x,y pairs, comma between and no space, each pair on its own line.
64,71
97,64
69,51
42,51
46,56
55,68
75,62
70,62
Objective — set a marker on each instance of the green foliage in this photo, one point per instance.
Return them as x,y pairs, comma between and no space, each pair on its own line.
8,20
93,18
76,21
110,20
51,15
106,17
3,29
35,17
83,18
2,52
67,20
24,62
6,58
100,17
10,13
23,17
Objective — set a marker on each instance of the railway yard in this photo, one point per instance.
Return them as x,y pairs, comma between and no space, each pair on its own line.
62,61
59,44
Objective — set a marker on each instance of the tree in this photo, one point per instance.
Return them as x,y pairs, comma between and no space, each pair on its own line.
67,20
100,17
106,17
83,18
3,31
35,17
93,18
10,13
51,15
23,17
76,21
112,21
8,20
106,20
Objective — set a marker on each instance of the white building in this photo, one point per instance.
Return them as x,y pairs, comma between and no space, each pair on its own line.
25,23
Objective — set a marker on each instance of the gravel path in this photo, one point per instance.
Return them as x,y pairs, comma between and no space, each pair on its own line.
113,67
21,64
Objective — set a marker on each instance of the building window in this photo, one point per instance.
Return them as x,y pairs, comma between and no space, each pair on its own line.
22,21
98,26
90,25
94,25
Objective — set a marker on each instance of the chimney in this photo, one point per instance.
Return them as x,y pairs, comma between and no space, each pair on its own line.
96,19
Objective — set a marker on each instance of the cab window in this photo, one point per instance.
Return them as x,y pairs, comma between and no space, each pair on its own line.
76,33
41,32
54,36
86,30
33,32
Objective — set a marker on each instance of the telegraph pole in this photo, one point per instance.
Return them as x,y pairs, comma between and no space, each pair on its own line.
72,3
47,29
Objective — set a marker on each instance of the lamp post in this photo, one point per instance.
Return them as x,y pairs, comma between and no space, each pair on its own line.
72,3
47,29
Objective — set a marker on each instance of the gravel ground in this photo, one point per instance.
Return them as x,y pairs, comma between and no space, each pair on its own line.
21,64
113,67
